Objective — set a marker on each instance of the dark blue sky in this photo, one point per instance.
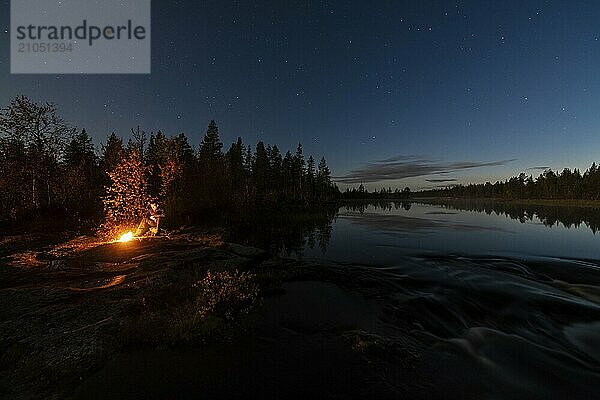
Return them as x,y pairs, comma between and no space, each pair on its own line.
450,90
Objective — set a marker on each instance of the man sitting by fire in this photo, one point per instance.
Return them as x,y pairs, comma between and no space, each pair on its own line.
151,220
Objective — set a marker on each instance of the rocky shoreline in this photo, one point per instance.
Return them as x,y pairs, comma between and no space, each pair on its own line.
74,313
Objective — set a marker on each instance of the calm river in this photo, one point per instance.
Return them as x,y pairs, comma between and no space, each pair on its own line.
505,299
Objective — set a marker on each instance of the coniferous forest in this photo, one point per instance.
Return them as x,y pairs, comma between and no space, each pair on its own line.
51,171
549,185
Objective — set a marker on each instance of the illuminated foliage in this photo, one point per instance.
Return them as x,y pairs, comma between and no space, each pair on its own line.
127,196
226,293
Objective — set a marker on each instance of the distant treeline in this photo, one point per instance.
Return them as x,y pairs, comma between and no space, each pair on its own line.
565,185
363,193
49,169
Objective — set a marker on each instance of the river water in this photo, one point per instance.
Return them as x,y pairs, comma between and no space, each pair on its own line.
444,301
372,234
505,300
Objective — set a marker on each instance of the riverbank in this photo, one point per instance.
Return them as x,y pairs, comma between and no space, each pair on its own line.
303,343
69,307
194,316
179,316
527,202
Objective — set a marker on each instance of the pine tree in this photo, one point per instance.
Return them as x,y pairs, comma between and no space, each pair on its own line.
260,172
298,173
236,173
288,176
81,179
324,185
275,183
310,178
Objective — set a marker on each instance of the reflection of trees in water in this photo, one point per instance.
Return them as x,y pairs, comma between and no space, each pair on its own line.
284,232
568,216
383,205
290,232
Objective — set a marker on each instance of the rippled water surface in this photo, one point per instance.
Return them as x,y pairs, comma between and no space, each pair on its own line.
505,307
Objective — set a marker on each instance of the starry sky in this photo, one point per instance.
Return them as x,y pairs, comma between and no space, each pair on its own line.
407,93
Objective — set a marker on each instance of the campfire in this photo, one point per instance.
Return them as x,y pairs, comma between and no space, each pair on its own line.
126,237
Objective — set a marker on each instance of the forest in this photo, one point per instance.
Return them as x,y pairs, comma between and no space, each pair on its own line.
362,193
549,185
51,172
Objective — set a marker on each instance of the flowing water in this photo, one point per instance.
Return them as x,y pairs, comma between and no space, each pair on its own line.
450,300
505,300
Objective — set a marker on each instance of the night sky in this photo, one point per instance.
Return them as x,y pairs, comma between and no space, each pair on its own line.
439,92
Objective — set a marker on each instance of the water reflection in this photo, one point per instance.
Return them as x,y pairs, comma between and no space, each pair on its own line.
284,232
411,225
382,205
488,293
295,232
567,216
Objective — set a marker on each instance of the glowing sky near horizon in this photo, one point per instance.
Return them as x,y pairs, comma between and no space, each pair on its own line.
476,82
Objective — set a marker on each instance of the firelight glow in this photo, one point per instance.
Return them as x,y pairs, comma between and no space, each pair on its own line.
126,237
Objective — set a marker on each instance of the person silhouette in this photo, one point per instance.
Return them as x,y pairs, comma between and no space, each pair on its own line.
151,220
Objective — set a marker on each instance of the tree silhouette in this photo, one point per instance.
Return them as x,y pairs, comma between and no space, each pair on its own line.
211,169
81,180
41,134
45,165
549,185
112,153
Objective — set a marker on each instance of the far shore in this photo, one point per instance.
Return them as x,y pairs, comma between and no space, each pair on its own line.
530,202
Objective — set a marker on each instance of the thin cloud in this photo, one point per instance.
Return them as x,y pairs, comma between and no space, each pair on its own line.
440,180
400,167
537,168
404,158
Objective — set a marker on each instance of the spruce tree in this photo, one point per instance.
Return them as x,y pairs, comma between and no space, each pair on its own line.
260,171
298,173
113,153
310,178
211,147
81,180
211,171
324,185
236,173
